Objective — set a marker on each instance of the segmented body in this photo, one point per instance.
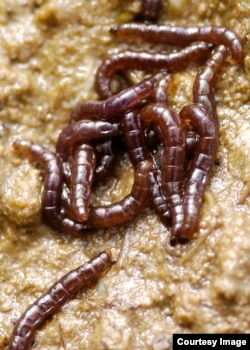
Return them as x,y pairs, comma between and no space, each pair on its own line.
160,94
172,135
125,210
52,168
50,302
134,137
93,122
200,168
82,175
207,77
111,108
126,60
84,131
100,120
52,189
183,36
158,197
138,152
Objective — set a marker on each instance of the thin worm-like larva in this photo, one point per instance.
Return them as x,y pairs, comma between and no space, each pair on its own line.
124,211
52,188
83,132
134,137
82,173
206,79
177,35
173,137
126,60
50,302
158,198
105,153
52,167
198,174
138,152
115,106
160,93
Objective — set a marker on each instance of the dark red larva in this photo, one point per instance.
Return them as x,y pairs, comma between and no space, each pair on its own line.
84,131
93,124
52,189
134,137
172,135
139,152
160,94
183,36
52,167
146,61
158,197
82,175
125,210
114,106
200,168
206,79
50,302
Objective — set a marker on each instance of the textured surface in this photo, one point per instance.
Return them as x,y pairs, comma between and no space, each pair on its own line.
49,51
